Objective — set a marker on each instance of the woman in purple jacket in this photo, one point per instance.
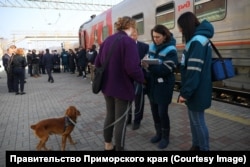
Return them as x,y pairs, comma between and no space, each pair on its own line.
120,73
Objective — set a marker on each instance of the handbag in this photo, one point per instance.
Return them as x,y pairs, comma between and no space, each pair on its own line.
222,68
97,81
99,71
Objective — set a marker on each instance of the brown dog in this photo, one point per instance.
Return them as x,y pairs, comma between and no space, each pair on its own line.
61,126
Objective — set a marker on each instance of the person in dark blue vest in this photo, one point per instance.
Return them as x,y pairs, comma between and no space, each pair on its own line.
48,61
65,60
161,81
139,88
196,83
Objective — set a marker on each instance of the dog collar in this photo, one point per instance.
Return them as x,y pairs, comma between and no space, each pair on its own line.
69,121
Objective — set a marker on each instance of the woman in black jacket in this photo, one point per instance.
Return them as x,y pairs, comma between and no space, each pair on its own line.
18,64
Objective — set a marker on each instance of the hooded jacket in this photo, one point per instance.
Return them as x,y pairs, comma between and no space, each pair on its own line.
160,77
196,84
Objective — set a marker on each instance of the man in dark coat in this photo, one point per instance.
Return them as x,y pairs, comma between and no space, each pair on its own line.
29,60
82,62
41,65
6,61
72,61
57,62
91,55
35,63
139,93
48,61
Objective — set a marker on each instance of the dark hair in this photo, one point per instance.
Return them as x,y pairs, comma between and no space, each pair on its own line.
188,23
161,29
93,46
47,50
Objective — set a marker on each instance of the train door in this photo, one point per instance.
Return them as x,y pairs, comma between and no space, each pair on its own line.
83,39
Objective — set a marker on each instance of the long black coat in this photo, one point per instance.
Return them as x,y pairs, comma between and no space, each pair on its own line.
82,58
72,60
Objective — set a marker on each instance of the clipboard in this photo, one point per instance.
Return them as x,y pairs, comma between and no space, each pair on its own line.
151,61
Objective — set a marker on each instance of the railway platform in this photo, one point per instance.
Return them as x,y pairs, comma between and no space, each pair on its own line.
229,125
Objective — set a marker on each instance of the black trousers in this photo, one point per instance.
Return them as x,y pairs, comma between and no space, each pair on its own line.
10,81
41,69
30,69
48,69
18,79
160,114
138,104
82,70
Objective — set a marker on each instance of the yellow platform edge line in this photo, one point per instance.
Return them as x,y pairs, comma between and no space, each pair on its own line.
228,116
238,119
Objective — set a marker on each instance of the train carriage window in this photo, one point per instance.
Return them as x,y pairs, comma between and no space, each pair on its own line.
104,32
165,15
211,10
139,23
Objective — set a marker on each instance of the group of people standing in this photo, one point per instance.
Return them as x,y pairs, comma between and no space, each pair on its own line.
79,60
45,61
36,64
15,62
129,76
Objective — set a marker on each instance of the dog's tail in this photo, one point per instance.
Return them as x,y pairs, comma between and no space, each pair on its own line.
33,127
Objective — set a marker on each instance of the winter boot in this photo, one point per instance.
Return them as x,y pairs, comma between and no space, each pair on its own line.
164,139
194,148
157,137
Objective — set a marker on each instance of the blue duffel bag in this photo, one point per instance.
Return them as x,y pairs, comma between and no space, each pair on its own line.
222,68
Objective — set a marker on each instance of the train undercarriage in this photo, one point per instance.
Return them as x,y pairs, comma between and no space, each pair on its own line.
227,95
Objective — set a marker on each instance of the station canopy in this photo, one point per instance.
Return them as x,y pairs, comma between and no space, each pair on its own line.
85,5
